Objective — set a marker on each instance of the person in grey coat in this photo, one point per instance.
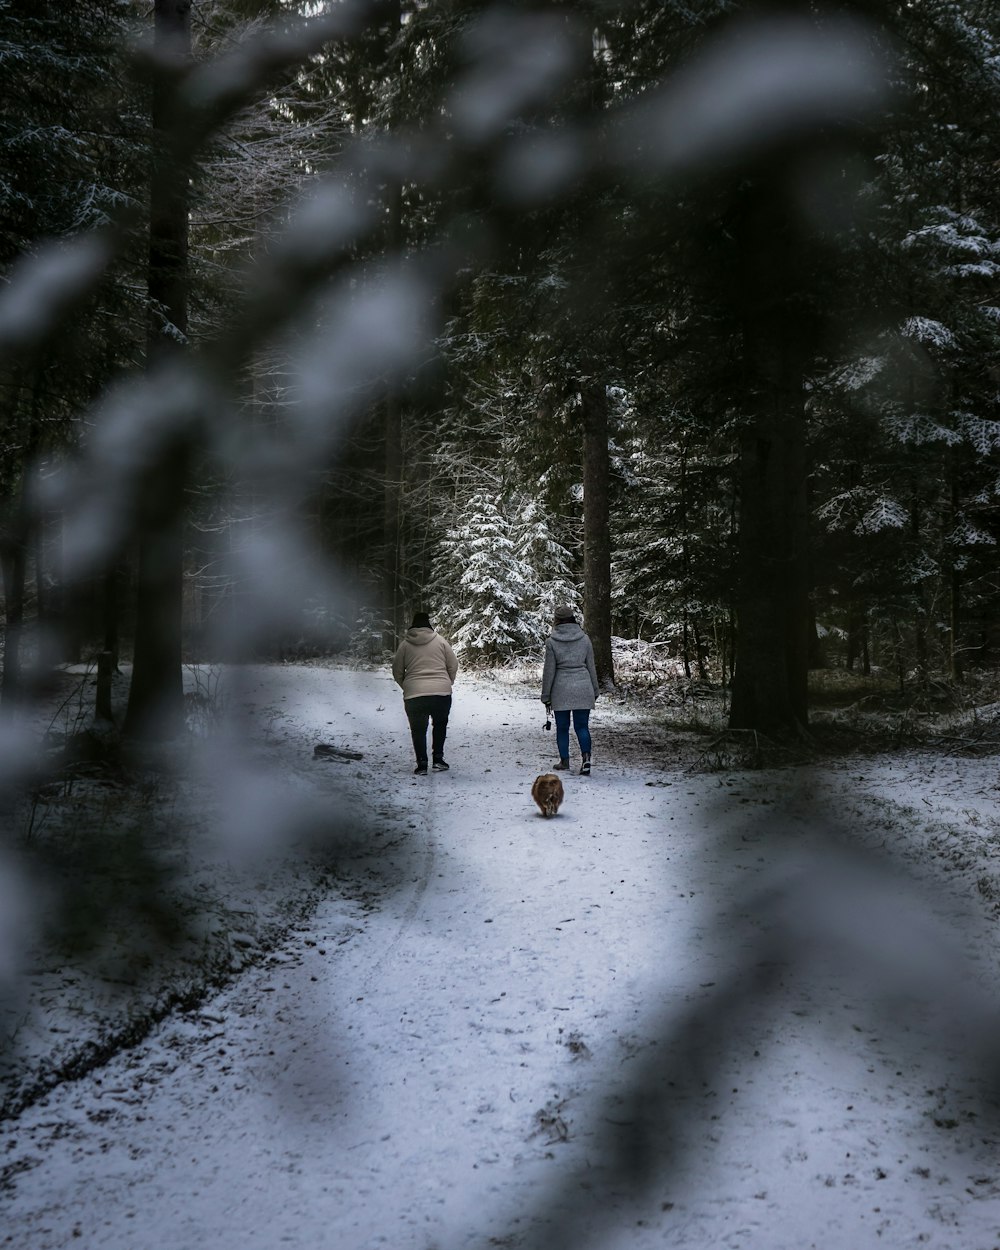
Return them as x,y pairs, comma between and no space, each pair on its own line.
569,685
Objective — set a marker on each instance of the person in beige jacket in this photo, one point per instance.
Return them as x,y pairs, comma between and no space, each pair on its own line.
425,666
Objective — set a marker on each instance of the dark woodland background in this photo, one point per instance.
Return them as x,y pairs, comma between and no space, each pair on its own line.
687,316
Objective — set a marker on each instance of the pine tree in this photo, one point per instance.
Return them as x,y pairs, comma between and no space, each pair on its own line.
909,415
485,589
71,137
537,544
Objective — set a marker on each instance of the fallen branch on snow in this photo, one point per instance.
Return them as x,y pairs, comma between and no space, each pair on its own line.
324,751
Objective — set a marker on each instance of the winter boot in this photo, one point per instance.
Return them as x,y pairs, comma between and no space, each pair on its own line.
421,769
439,766
585,766
563,764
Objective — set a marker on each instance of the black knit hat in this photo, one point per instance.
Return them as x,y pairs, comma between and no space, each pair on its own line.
563,614
421,621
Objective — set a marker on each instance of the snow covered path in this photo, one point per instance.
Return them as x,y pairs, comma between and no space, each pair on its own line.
451,1066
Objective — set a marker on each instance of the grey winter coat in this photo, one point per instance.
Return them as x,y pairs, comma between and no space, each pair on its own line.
569,679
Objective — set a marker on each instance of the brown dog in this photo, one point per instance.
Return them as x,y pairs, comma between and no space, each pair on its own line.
547,793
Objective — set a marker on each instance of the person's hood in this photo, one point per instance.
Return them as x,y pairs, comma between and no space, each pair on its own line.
419,636
568,631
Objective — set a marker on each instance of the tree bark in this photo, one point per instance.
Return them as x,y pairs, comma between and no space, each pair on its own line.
43,608
920,614
770,690
15,542
392,521
113,579
817,651
596,531
50,623
13,560
105,669
857,635
156,697
392,527
66,598
699,650
955,658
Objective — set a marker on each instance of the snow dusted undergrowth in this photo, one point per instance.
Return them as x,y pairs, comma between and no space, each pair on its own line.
771,988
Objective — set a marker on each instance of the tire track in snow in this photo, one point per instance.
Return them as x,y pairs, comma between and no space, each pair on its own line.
427,859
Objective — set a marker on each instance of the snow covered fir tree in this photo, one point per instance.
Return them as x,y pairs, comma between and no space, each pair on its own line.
488,607
499,579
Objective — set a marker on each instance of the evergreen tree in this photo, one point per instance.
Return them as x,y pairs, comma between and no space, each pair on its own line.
73,158
537,544
908,413
485,589
676,527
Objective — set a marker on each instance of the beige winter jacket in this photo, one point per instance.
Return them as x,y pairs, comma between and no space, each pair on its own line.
424,663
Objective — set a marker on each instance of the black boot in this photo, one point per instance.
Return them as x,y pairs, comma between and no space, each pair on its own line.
563,764
585,766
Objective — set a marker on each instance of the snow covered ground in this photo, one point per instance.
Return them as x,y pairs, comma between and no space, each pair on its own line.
748,1010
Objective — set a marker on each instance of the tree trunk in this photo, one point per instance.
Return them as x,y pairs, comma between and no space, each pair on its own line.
50,623
103,710
770,690
13,559
920,614
14,545
920,650
112,613
392,521
65,599
955,625
817,651
156,694
857,636
43,608
699,651
954,592
392,527
596,531
900,654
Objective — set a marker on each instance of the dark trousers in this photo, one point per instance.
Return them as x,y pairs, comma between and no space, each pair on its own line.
421,709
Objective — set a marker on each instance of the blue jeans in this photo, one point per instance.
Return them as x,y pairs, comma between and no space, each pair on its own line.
581,723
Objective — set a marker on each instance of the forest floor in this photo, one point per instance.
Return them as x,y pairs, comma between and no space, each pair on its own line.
706,1005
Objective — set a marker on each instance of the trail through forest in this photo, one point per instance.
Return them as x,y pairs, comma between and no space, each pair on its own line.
473,1043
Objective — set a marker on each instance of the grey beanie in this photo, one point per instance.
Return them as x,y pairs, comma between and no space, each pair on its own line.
564,613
